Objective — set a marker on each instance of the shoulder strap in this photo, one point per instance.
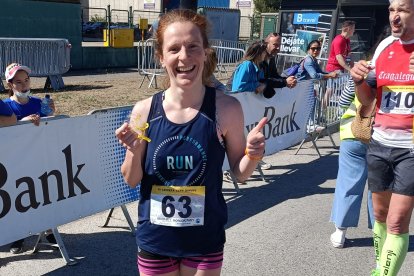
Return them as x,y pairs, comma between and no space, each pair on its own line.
209,103
156,106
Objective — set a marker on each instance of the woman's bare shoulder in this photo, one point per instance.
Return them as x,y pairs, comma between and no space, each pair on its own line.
225,101
229,110
141,109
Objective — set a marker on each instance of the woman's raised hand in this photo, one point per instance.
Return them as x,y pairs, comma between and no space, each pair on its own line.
255,141
127,136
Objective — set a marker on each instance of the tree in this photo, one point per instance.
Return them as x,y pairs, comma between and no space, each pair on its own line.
97,18
262,6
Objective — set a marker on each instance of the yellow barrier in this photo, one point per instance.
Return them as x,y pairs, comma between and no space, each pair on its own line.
119,38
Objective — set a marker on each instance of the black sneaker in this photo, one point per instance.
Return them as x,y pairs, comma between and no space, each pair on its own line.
51,238
17,247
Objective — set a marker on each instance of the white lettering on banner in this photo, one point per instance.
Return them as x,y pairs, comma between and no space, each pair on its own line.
291,44
395,76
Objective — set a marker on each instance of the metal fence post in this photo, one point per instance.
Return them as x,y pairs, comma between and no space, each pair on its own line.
109,25
130,18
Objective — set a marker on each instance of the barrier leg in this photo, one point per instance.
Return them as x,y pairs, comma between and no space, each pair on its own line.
59,244
47,83
234,179
330,137
313,137
143,79
300,146
154,77
108,218
128,218
155,80
36,246
314,144
259,169
62,247
1,86
54,81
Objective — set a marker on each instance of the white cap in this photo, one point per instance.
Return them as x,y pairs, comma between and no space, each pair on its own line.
12,69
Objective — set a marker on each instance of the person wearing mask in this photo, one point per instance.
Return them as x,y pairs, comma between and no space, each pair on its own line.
389,78
23,105
190,128
26,108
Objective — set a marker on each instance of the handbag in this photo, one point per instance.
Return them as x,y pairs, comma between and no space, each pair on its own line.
293,70
361,126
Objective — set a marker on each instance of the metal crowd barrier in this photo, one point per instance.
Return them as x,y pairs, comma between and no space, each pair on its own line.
229,43
284,61
229,53
227,58
148,65
46,57
326,111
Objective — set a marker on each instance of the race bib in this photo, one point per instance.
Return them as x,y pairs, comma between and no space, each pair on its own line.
177,206
397,100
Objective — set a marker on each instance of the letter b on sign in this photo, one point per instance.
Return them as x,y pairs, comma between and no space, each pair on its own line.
4,196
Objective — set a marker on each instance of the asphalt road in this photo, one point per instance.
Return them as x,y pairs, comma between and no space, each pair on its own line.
278,227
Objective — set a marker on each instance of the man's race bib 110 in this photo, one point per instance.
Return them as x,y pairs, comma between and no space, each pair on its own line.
177,206
397,100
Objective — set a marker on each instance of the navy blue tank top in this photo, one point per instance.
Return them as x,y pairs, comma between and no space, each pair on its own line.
188,154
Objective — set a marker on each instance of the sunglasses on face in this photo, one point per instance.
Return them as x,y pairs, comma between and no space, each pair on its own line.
315,48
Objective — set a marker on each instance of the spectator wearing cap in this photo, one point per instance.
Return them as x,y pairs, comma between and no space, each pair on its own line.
24,106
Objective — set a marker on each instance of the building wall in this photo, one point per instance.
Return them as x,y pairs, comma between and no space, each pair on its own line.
214,3
41,19
244,11
120,4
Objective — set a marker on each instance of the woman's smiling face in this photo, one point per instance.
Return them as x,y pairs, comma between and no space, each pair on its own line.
183,54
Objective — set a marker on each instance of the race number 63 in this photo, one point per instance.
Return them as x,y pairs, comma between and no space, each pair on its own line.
177,206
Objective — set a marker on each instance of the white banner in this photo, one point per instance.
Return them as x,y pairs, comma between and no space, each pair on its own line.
66,169
59,172
287,113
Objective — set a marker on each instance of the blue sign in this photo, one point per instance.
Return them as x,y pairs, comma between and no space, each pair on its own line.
306,18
